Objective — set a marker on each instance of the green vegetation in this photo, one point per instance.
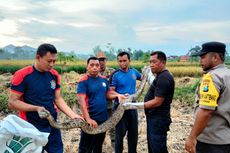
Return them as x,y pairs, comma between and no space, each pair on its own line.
185,94
4,102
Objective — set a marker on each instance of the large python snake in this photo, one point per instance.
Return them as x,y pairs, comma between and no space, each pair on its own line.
111,122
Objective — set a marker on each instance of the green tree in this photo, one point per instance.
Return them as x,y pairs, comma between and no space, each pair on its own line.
137,54
96,50
192,52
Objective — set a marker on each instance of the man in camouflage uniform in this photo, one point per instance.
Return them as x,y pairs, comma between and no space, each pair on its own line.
106,71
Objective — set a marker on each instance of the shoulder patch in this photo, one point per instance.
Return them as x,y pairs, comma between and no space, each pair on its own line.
208,92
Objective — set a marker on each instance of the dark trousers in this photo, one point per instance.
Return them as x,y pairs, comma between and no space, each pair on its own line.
54,144
128,123
157,134
211,148
91,143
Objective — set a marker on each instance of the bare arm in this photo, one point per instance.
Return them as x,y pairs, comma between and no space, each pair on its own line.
157,101
202,118
61,104
16,104
112,94
84,110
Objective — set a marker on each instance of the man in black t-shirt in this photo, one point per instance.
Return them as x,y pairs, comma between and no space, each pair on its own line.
157,104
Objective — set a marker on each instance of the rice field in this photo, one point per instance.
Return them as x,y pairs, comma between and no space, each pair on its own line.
178,69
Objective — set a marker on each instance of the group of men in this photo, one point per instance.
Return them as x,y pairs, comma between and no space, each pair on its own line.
37,87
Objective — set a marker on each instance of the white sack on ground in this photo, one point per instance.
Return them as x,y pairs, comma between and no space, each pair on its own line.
19,136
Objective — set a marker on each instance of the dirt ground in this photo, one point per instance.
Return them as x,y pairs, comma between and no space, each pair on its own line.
181,124
182,120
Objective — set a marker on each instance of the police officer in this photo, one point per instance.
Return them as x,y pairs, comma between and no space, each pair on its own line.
211,129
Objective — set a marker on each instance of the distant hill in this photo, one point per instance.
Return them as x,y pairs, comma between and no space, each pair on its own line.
17,52
27,52
11,48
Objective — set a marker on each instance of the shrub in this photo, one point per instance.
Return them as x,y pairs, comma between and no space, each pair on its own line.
4,102
186,94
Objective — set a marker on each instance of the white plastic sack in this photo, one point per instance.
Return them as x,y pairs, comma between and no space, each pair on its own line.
19,136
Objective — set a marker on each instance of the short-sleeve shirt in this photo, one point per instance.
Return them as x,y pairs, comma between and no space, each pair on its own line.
213,94
107,73
95,89
37,88
162,86
125,82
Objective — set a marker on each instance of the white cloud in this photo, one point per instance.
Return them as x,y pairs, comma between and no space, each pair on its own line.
16,40
14,5
50,39
8,27
84,25
152,33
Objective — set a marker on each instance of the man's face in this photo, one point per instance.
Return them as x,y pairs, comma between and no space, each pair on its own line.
102,62
123,62
155,64
93,67
206,61
47,61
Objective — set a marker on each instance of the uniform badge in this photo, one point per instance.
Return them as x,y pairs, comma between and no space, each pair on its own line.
53,84
205,88
103,84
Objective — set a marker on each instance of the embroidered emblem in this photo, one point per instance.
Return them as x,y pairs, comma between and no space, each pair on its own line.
205,88
103,84
53,84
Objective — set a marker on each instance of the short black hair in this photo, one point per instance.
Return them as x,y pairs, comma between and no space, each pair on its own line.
122,54
222,56
43,49
92,58
160,55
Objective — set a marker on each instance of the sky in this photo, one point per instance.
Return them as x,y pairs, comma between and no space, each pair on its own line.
173,26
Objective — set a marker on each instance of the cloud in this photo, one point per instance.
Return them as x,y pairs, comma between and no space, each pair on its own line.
8,27
81,25
153,33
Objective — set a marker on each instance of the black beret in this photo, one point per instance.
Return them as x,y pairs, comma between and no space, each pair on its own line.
211,47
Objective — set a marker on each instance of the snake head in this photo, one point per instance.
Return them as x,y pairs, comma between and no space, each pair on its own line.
43,113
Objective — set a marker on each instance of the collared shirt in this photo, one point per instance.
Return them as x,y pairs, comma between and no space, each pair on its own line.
95,89
214,94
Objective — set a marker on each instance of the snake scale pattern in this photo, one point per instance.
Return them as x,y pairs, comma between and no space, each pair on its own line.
107,125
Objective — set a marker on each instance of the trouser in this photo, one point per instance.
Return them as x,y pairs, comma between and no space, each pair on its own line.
54,144
212,148
157,134
91,143
129,123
